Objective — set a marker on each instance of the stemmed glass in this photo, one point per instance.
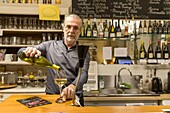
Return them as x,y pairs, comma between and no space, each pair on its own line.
60,79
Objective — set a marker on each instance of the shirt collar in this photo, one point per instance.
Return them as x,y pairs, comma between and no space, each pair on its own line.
73,47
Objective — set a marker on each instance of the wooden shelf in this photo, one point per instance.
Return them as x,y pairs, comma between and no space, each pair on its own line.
13,63
29,30
9,46
28,9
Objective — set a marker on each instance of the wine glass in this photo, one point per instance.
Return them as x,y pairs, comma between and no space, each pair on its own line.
60,79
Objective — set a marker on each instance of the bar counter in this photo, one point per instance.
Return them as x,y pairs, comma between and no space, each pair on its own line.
10,105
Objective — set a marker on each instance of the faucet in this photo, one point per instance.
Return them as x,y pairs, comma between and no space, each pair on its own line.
119,79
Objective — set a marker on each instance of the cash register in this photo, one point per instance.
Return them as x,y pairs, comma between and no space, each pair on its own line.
121,56
123,60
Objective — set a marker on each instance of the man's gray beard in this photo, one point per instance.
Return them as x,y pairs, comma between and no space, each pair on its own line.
70,42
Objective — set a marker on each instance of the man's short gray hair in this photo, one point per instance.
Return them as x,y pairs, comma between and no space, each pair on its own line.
74,16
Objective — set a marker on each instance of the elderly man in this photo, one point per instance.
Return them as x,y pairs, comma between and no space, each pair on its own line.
64,54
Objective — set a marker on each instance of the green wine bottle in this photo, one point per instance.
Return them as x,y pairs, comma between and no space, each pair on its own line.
38,61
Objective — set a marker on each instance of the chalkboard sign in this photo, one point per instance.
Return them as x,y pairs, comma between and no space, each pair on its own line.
140,9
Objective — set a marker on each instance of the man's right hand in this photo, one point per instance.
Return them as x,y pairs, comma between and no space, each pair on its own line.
67,92
31,51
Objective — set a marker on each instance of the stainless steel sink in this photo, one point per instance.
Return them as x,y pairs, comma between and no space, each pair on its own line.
112,92
130,92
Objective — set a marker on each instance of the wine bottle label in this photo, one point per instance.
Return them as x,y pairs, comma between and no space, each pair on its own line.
94,33
145,30
88,33
112,35
158,55
166,55
165,30
150,30
168,29
155,30
106,34
101,34
140,30
150,55
126,33
142,55
118,34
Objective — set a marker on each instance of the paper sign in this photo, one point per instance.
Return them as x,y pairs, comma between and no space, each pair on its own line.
120,52
1,32
107,53
48,12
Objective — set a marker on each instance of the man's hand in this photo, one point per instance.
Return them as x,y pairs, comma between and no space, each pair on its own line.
31,51
67,92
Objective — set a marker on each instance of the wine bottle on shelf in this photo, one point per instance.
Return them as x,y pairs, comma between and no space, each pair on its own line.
126,34
150,51
145,29
94,29
165,51
150,27
112,30
154,28
123,28
140,28
158,51
82,30
118,30
160,28
100,29
142,51
38,61
88,29
106,30
165,28
150,55
168,27
136,51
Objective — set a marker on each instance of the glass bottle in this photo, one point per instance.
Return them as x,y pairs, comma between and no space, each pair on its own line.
118,30
142,51
158,52
101,82
160,28
112,30
165,28
145,29
106,30
150,27
88,29
154,28
82,30
100,29
126,34
150,51
94,29
38,61
168,27
165,51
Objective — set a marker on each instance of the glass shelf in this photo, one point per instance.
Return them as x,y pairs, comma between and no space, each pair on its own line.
109,39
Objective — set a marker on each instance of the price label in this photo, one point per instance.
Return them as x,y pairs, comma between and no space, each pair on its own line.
142,61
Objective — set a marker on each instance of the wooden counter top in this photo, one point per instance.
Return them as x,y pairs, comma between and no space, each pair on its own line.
161,97
10,105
